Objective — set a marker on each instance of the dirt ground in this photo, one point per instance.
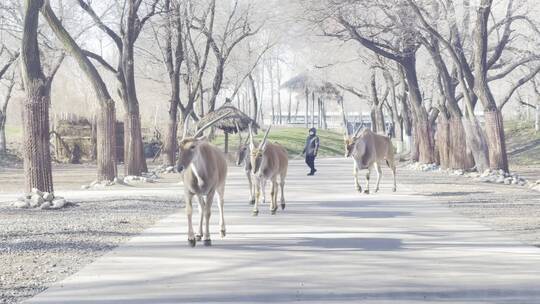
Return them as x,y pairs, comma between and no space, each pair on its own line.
511,209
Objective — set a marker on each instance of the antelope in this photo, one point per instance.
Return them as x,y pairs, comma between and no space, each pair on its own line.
242,157
204,169
368,150
268,162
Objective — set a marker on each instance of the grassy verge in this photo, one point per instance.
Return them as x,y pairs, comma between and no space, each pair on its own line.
13,133
293,139
523,143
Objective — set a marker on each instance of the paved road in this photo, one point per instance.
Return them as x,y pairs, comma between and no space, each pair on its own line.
331,245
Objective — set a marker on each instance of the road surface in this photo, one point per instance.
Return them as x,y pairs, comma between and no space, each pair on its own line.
330,245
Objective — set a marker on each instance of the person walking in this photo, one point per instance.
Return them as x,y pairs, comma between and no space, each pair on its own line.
310,150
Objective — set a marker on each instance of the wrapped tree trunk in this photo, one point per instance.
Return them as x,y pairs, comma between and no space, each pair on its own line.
35,106
421,127
459,156
106,141
443,141
476,142
498,158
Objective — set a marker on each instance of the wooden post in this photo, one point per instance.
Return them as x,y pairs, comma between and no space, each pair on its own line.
226,142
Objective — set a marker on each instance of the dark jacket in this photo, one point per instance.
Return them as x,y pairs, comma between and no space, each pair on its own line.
312,144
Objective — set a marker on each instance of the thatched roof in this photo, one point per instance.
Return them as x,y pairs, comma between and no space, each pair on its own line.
229,123
300,82
305,80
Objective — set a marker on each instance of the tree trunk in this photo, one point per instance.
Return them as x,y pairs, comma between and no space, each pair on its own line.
306,114
476,142
216,85
459,157
312,109
422,138
134,160
35,106
442,141
226,142
255,108
498,158
36,152
3,143
169,142
106,142
289,107
278,76
319,111
537,118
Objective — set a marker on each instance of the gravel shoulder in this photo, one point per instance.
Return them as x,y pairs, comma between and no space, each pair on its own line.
39,247
510,209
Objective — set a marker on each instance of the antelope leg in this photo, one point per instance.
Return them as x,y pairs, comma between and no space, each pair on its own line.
379,175
189,213
221,201
207,213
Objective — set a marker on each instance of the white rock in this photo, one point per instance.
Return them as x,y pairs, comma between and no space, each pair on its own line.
48,197
500,180
58,203
21,204
169,169
508,181
36,191
36,201
85,187
92,184
46,205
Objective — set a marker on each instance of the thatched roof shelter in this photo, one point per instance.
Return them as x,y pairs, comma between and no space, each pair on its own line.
236,122
300,82
303,81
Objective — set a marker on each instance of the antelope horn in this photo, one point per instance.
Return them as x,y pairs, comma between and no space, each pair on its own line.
251,143
358,131
208,125
238,131
265,138
186,126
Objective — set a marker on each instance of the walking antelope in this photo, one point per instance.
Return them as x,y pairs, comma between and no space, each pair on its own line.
242,156
268,162
204,169
368,150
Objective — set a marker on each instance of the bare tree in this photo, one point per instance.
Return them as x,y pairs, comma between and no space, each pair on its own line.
12,57
131,25
473,77
386,30
237,28
106,118
173,56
